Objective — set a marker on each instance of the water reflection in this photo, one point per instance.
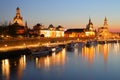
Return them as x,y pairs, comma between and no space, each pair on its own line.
76,51
13,66
54,59
97,56
104,49
21,66
88,53
116,48
5,69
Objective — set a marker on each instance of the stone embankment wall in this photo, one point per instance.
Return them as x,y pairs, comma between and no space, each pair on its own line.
14,44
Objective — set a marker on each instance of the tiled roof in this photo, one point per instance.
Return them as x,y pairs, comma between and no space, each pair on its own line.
74,30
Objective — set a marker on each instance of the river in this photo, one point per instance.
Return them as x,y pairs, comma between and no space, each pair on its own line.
97,62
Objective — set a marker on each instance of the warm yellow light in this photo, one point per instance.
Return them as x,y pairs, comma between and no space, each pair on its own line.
5,45
6,68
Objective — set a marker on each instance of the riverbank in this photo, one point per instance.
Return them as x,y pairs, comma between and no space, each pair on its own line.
27,43
14,53
20,44
16,47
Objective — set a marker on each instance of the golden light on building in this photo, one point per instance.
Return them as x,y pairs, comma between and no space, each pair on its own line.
75,32
90,33
103,32
49,33
18,19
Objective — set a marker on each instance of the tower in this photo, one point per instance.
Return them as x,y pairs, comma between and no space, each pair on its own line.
18,19
105,23
90,25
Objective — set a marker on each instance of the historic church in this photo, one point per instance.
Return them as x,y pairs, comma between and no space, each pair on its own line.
103,32
18,19
89,31
20,28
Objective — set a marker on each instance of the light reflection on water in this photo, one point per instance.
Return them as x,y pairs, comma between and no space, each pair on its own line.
80,63
6,69
55,59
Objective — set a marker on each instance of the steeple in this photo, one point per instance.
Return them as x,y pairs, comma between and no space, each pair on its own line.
17,10
26,23
105,22
90,25
90,20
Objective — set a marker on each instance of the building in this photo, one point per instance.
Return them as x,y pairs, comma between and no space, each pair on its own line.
75,33
51,31
18,19
17,26
82,32
89,31
103,32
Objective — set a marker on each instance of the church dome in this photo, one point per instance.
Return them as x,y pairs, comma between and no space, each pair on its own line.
89,27
51,27
18,19
60,28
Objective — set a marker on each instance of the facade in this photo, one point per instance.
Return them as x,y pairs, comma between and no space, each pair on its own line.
75,33
82,32
18,25
89,31
103,32
51,31
18,19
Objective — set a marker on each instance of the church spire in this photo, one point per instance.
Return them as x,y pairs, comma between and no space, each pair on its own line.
89,20
17,10
26,23
90,25
105,22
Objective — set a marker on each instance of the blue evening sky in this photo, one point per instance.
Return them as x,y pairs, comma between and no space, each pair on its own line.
68,13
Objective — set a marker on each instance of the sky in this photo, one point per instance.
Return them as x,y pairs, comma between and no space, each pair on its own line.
67,13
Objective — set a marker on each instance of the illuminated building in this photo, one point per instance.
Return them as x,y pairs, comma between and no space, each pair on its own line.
103,32
17,27
81,32
89,31
51,31
75,33
37,28
18,19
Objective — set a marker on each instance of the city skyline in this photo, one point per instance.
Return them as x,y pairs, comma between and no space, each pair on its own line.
69,14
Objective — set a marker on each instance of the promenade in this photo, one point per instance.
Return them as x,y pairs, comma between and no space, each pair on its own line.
7,45
26,43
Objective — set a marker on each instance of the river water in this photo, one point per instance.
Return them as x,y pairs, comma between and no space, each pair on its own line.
97,62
